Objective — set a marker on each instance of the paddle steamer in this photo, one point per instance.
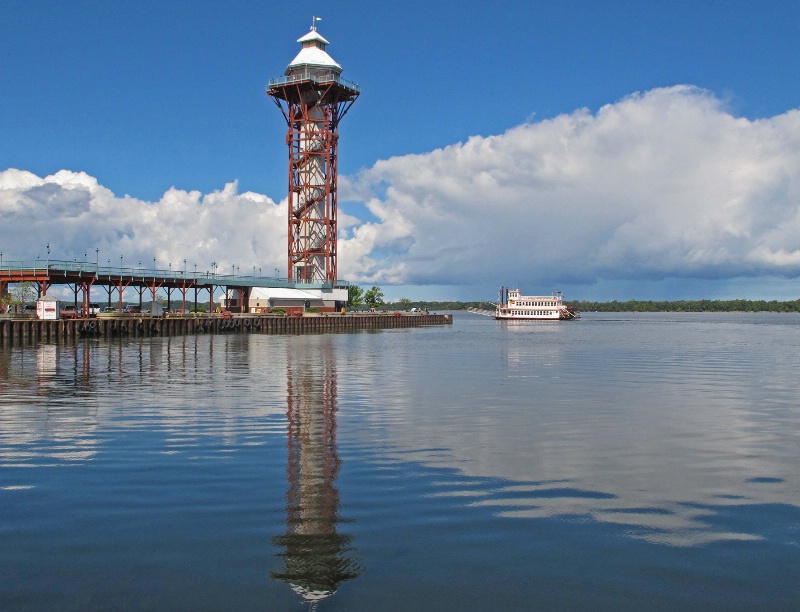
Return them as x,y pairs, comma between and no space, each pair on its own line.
515,306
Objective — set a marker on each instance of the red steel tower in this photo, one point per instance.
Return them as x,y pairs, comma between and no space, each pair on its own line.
313,99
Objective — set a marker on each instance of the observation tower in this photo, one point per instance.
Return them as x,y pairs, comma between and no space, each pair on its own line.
313,99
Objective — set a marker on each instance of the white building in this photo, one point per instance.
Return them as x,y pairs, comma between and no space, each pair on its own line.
47,308
266,299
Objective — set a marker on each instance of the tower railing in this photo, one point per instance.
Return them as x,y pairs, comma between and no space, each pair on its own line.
315,76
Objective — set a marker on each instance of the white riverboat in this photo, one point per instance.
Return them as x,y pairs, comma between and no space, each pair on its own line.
514,306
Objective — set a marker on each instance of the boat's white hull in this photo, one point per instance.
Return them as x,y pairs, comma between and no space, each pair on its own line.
501,317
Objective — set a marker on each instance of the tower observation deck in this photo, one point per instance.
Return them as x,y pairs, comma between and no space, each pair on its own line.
313,99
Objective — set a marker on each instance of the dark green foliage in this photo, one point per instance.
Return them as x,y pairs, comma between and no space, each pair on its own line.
629,306
374,297
689,306
355,296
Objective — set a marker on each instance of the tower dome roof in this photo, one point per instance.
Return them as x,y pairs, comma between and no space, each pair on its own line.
313,53
311,36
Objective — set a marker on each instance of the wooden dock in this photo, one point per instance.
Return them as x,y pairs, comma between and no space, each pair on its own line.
25,330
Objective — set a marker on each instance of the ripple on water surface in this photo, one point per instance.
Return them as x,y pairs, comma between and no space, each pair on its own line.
626,461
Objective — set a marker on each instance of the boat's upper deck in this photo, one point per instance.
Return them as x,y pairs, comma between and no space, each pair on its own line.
537,301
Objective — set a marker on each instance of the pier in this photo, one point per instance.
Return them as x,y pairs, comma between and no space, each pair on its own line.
15,330
82,277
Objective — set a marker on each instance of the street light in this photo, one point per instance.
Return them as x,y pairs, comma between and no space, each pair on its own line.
96,257
48,255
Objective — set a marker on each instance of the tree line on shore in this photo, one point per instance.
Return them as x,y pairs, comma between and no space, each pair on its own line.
373,298
688,306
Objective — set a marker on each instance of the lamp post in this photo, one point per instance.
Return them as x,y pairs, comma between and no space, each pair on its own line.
96,259
48,255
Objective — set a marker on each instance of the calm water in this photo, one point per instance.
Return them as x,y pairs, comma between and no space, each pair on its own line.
619,462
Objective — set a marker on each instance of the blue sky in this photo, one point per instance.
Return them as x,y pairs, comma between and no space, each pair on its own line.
165,102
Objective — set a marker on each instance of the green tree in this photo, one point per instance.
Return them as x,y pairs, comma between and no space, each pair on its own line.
6,302
355,296
20,295
374,297
404,303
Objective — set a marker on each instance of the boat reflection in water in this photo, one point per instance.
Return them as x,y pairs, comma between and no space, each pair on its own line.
316,558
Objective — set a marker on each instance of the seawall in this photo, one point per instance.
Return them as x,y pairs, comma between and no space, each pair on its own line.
15,330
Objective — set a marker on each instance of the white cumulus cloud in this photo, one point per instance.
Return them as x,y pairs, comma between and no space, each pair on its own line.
662,184
666,183
76,215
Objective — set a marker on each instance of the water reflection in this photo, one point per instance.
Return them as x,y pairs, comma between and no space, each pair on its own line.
49,410
316,557
61,401
658,432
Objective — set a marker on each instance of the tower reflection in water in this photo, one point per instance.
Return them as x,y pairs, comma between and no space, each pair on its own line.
316,558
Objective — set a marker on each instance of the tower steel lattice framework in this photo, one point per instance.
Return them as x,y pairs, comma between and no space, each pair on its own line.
313,99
